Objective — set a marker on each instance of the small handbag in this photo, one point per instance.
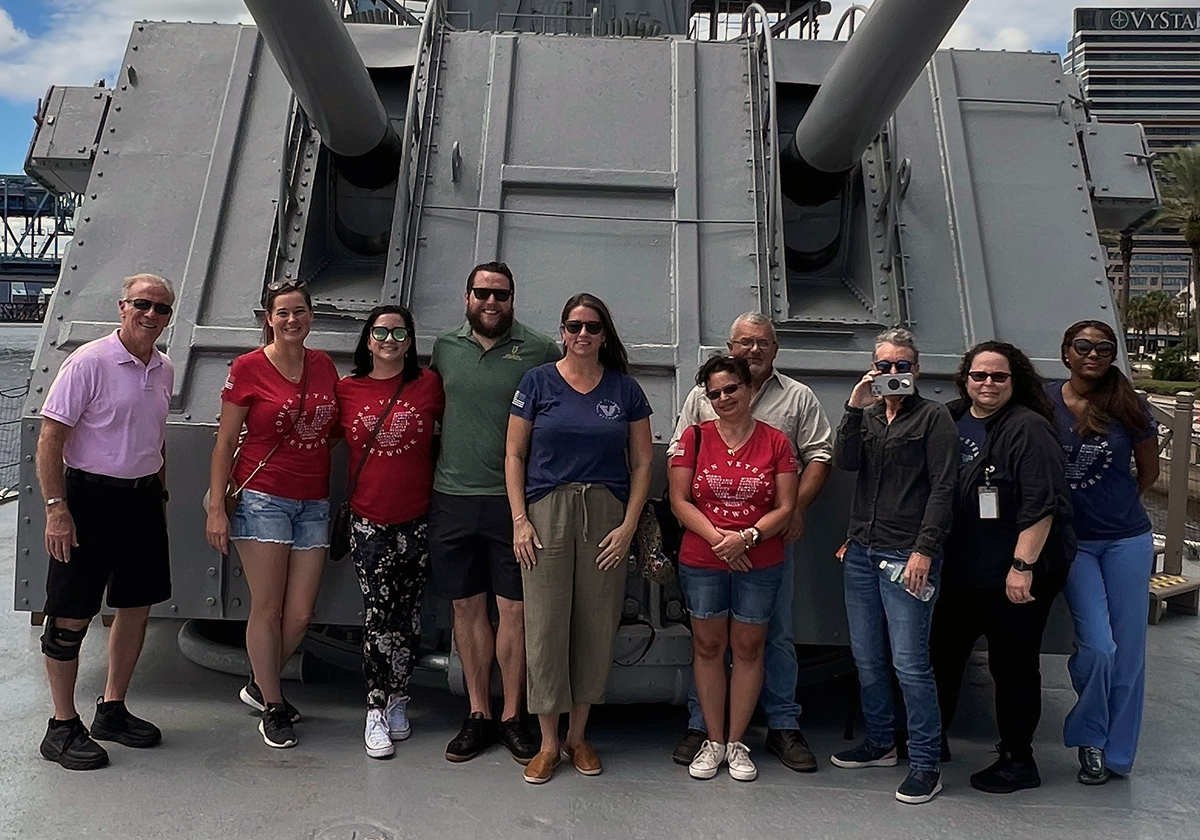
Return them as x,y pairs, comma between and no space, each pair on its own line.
339,526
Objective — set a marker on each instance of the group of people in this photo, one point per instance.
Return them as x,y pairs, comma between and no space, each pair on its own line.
517,468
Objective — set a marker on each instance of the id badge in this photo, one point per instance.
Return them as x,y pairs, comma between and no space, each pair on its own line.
989,503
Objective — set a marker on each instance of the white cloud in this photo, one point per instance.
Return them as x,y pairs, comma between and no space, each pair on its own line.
85,40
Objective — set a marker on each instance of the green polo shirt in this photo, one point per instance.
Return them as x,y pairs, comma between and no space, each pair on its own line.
479,389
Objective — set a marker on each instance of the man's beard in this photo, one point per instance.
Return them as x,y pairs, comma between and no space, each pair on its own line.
475,319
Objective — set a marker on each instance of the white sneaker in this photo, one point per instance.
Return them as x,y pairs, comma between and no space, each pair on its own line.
379,742
740,765
707,761
397,718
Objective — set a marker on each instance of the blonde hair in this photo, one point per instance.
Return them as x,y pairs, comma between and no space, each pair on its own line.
147,278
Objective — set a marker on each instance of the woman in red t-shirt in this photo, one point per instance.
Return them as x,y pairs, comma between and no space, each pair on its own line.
283,394
734,493
390,409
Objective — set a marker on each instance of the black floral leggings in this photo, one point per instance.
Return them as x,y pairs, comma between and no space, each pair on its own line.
392,562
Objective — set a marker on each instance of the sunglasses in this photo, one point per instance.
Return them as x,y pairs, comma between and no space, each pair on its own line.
381,333
983,375
1103,349
286,285
727,391
143,305
885,366
501,295
592,327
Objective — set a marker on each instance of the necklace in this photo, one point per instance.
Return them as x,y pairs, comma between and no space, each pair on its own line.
731,448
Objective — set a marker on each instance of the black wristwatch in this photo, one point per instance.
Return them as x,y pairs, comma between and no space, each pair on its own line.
1021,566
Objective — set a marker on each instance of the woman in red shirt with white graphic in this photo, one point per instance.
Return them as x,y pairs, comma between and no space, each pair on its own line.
734,494
390,411
284,395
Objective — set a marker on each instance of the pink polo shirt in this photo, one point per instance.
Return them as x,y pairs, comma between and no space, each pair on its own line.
116,408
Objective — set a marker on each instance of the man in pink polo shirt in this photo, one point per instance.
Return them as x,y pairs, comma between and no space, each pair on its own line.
101,466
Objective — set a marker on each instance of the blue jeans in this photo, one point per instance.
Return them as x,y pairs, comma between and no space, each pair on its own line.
261,517
884,618
1106,591
778,697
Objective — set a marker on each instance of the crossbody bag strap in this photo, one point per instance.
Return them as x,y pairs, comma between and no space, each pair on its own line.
371,440
282,437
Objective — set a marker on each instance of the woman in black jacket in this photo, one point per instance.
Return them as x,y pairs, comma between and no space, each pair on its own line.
1008,551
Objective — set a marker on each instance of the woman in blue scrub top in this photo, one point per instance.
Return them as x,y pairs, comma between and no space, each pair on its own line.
1103,425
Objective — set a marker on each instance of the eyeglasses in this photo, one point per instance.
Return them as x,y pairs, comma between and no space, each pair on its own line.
501,295
727,391
754,343
381,333
983,375
286,285
886,366
1103,349
592,327
143,305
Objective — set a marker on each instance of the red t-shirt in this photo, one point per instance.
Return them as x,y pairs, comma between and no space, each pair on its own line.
397,478
733,491
299,469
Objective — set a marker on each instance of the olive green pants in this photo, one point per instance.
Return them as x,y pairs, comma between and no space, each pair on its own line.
572,609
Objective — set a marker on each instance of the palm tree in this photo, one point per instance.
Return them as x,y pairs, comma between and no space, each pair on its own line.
1161,310
1179,182
1138,319
1123,242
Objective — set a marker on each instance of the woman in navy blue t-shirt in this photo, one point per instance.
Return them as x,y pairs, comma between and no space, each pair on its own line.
577,468
1104,425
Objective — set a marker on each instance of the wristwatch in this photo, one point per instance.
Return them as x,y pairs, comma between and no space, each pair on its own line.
55,501
1021,566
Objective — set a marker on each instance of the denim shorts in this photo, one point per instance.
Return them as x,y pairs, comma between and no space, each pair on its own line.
274,519
715,593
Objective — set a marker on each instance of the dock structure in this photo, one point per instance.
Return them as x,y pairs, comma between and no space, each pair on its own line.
36,225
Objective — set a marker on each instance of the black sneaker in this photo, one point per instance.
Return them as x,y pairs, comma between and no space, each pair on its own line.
865,754
689,746
276,727
919,787
113,722
1092,770
477,734
251,695
519,740
1007,775
789,746
68,743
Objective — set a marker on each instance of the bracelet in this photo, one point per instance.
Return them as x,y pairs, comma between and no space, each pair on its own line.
55,501
517,519
745,541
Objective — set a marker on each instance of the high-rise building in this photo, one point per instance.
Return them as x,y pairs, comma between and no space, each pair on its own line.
1142,65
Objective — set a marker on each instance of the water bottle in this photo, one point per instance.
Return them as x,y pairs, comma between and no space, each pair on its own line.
895,573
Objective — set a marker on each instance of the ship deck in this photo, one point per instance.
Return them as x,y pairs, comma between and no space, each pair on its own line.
212,777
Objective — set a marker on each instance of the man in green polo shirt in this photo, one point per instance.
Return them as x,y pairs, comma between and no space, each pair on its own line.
470,523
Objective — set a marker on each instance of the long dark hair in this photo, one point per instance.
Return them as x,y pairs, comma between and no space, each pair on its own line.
364,362
612,351
1113,397
1029,389
275,291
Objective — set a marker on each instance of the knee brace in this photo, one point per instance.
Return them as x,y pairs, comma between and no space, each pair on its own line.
61,644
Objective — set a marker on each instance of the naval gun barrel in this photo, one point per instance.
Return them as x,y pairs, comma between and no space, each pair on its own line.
313,49
867,82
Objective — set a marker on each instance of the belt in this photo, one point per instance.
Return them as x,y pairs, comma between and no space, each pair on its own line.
111,481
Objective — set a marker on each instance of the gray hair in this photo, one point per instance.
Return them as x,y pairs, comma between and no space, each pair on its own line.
148,278
756,319
900,337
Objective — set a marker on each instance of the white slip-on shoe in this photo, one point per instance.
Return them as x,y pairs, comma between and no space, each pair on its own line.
378,739
707,761
397,718
740,766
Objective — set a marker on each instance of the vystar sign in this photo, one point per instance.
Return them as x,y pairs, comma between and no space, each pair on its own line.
1157,20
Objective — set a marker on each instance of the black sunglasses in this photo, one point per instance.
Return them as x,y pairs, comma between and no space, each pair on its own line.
574,327
143,305
286,285
381,333
501,295
727,391
1103,349
996,376
885,366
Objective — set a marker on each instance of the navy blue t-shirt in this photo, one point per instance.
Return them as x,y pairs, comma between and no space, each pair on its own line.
1104,491
578,437
972,435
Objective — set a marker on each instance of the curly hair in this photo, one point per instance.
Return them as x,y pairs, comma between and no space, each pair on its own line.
1029,389
1113,397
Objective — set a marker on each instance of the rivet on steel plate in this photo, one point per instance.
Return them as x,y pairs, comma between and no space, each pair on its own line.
210,600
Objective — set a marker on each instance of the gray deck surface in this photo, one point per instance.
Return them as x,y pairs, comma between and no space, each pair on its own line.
212,777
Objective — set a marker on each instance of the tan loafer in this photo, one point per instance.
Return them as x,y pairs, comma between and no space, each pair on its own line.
541,767
584,758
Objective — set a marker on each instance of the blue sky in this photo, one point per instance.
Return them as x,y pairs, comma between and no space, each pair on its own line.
44,42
